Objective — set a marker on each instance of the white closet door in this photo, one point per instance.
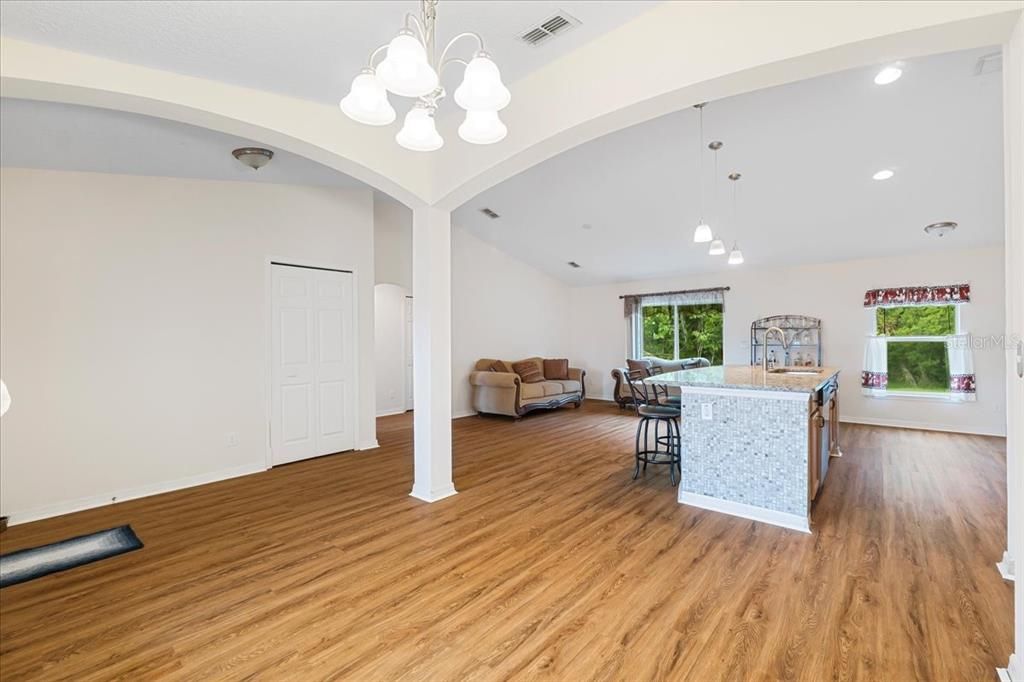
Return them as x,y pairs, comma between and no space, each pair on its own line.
312,406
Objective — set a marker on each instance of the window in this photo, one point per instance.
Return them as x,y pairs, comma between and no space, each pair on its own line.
916,337
675,324
916,344
674,331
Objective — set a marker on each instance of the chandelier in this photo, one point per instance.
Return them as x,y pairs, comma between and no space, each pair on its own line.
410,68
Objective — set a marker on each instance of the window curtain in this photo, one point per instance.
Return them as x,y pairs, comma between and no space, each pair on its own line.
684,298
634,325
903,296
874,379
961,368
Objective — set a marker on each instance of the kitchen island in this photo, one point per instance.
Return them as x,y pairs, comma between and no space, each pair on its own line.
756,443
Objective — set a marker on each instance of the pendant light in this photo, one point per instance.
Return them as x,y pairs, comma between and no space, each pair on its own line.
735,255
717,247
702,234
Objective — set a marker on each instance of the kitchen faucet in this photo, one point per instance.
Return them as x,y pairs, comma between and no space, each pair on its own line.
764,354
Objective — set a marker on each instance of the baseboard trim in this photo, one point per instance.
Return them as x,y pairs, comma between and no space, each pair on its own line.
1006,567
746,511
391,413
369,445
463,415
918,426
434,495
1014,670
115,497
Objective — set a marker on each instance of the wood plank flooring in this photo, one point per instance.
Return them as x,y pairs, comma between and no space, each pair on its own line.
549,564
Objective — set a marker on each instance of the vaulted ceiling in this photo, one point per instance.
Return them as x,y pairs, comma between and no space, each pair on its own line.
624,206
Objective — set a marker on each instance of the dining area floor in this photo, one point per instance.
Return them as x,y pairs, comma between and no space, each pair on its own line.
552,561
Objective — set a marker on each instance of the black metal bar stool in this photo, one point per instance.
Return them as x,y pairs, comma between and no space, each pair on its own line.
650,409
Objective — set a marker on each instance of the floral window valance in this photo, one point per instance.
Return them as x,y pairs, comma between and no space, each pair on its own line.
941,295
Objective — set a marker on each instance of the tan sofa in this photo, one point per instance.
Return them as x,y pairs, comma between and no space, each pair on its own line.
505,393
622,394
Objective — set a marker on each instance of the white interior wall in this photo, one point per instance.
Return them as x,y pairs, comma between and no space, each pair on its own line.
390,344
392,242
501,308
133,329
833,292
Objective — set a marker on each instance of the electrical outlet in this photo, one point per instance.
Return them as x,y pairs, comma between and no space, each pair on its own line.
705,411
232,439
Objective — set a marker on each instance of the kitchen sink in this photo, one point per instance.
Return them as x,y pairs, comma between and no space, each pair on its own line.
795,370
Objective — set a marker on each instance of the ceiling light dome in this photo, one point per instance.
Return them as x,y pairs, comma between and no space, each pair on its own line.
889,74
717,248
367,101
481,88
883,174
419,132
482,127
405,70
253,157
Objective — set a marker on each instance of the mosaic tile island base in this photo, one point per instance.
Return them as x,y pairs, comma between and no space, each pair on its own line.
751,458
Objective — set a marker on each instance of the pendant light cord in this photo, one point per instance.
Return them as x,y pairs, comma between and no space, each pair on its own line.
700,159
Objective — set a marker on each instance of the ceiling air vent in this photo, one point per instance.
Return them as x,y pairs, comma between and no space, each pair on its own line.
989,63
549,28
489,213
573,264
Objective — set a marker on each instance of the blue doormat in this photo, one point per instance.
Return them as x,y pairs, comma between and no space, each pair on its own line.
29,564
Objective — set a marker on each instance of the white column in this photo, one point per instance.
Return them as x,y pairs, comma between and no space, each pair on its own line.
1013,140
432,353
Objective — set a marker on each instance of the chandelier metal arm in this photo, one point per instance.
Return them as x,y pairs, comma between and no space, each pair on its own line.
467,34
375,54
412,19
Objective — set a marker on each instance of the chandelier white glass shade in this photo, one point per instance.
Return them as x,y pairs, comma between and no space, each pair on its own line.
405,70
702,234
419,132
482,89
482,127
411,69
717,248
367,101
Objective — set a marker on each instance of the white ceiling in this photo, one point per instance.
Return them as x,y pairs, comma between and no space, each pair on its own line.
307,49
76,138
806,151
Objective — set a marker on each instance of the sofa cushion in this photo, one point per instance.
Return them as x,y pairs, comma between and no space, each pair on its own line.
552,388
499,366
530,391
570,386
530,371
556,369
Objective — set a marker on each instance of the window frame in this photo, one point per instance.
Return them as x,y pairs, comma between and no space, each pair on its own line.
945,396
675,328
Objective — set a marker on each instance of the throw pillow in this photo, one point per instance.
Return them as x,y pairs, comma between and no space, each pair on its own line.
498,366
528,370
556,369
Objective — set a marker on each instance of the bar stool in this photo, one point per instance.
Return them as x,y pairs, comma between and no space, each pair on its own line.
664,398
650,409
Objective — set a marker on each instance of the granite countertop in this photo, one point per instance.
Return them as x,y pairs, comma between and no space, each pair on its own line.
747,377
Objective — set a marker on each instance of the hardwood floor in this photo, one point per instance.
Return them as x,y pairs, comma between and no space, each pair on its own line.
550,563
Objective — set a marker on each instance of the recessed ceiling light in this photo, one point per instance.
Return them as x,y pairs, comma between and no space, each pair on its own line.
883,174
889,74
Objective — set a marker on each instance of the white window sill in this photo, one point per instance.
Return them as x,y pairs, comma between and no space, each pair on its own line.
910,395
